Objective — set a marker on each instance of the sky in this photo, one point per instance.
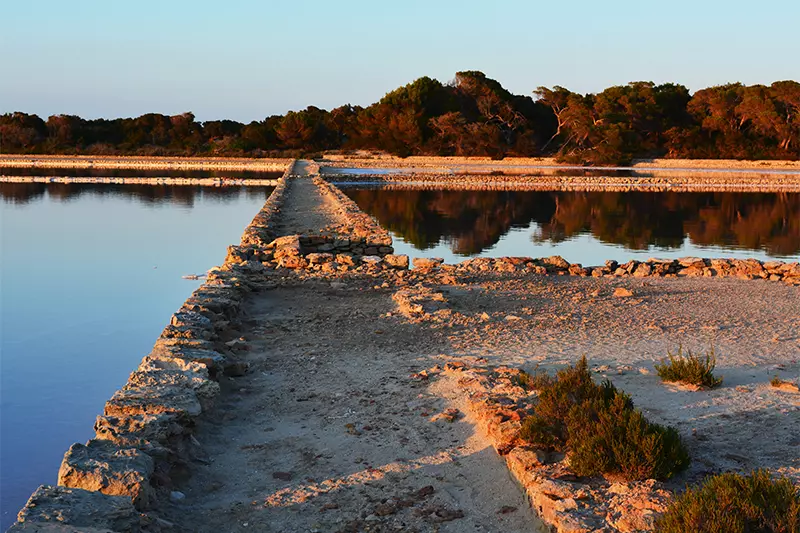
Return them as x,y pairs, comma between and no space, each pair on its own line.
245,60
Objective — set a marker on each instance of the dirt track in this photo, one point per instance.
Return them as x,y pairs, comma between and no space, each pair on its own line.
331,430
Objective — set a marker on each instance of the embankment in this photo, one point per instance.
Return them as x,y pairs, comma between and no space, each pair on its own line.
675,181
145,163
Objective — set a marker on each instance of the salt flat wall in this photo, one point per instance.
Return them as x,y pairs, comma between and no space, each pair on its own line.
150,163
165,180
388,161
678,181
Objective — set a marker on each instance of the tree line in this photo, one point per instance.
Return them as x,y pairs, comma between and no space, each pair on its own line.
472,115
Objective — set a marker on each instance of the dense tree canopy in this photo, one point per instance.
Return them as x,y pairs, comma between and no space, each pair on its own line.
471,115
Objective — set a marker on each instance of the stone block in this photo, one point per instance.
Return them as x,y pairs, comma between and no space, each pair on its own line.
66,510
101,466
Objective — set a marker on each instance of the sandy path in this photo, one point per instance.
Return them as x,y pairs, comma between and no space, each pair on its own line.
328,433
305,210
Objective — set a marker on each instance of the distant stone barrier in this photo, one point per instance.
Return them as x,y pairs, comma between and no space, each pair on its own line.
673,181
145,163
165,180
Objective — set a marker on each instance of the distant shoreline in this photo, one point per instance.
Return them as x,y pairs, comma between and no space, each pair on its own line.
160,180
523,165
149,163
679,175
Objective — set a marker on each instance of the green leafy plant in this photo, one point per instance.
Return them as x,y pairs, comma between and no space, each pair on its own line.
735,503
689,368
597,425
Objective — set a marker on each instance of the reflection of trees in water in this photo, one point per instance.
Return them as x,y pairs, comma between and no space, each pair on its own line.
21,193
475,220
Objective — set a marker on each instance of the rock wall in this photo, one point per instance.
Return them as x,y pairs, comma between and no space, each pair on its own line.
205,182
152,163
675,181
366,159
686,266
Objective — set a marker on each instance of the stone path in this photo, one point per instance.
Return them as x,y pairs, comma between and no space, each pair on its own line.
305,210
327,431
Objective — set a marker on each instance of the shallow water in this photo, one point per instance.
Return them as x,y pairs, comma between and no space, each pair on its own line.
586,227
90,276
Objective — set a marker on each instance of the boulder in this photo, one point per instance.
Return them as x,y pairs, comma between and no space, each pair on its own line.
319,258
397,261
622,292
101,466
556,262
65,510
427,262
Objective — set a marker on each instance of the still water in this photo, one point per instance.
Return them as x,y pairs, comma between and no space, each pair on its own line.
586,227
89,276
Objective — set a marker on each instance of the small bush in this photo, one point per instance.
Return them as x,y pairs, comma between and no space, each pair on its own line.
531,381
689,369
599,428
733,503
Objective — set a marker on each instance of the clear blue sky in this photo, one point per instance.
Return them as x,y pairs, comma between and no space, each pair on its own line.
245,60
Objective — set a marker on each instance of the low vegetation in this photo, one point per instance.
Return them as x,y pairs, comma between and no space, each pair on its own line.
530,381
600,430
735,503
689,369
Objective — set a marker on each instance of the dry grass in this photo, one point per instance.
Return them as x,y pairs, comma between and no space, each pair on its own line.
689,369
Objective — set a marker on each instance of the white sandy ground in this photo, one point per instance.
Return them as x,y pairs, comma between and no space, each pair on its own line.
328,427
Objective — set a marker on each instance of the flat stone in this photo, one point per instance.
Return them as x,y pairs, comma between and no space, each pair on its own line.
139,431
319,258
65,510
427,262
396,261
183,355
180,401
190,319
205,389
101,466
622,292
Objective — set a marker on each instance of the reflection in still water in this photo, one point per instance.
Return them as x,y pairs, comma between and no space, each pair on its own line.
475,220
21,193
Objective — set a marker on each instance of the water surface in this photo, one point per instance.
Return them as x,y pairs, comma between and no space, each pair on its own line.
586,227
89,277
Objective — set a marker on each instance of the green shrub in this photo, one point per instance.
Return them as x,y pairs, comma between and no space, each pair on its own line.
690,369
535,381
733,503
599,428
